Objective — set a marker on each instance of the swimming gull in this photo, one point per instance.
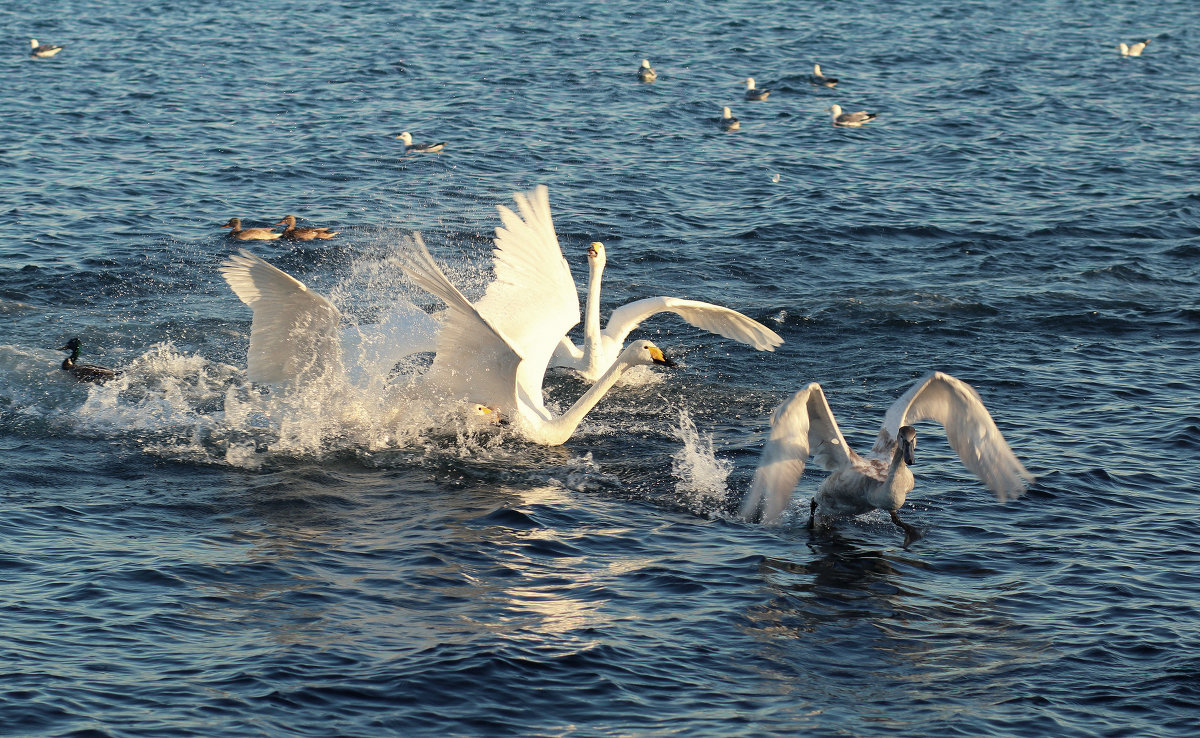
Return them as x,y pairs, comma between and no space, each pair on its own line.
850,119
432,148
755,93
728,122
820,79
646,73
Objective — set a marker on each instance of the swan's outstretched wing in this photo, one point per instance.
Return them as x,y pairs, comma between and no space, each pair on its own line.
474,360
294,330
803,425
532,300
704,315
969,428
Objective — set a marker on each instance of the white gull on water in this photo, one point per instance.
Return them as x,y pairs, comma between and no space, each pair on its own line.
850,119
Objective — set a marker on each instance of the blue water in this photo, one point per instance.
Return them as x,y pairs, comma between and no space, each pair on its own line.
180,555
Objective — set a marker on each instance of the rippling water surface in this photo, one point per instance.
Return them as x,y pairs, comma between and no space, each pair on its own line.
185,554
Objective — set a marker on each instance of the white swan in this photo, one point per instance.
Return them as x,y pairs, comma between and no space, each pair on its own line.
755,93
496,352
294,336
804,425
601,347
850,119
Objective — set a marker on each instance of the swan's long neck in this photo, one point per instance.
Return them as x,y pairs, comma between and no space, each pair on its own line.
555,432
899,481
896,464
591,317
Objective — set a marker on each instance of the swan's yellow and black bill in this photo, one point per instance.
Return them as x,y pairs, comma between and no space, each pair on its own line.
660,358
592,248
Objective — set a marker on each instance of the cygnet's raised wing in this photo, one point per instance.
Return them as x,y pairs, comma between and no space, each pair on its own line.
969,428
293,333
532,300
474,360
704,315
802,426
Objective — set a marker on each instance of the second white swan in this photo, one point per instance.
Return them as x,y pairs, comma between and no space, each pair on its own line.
601,347
804,425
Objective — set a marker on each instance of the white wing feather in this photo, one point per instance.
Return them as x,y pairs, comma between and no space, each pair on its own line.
969,428
803,425
532,300
706,316
474,360
294,330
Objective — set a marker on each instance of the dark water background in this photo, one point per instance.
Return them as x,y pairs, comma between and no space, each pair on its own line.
179,558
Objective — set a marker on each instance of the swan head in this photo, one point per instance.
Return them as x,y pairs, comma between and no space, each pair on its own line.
646,353
595,254
907,444
406,137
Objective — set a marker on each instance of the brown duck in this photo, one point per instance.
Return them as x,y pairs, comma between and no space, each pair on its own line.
292,233
249,234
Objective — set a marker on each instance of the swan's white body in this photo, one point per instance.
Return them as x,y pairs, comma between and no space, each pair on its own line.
850,119
755,93
602,347
1132,50
495,352
294,334
821,79
804,425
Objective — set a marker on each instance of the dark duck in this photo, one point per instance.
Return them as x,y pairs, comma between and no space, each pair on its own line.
84,372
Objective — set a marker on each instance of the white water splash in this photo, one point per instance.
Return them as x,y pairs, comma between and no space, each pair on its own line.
701,476
187,408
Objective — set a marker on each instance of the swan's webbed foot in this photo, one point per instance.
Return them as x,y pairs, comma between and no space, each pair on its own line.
910,533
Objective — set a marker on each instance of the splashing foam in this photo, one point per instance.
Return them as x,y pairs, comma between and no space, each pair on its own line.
701,476
188,408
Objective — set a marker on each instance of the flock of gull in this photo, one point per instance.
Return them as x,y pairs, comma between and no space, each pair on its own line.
490,356
754,93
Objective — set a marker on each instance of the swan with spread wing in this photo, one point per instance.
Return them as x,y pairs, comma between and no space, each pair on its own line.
495,352
804,425
601,347
295,335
